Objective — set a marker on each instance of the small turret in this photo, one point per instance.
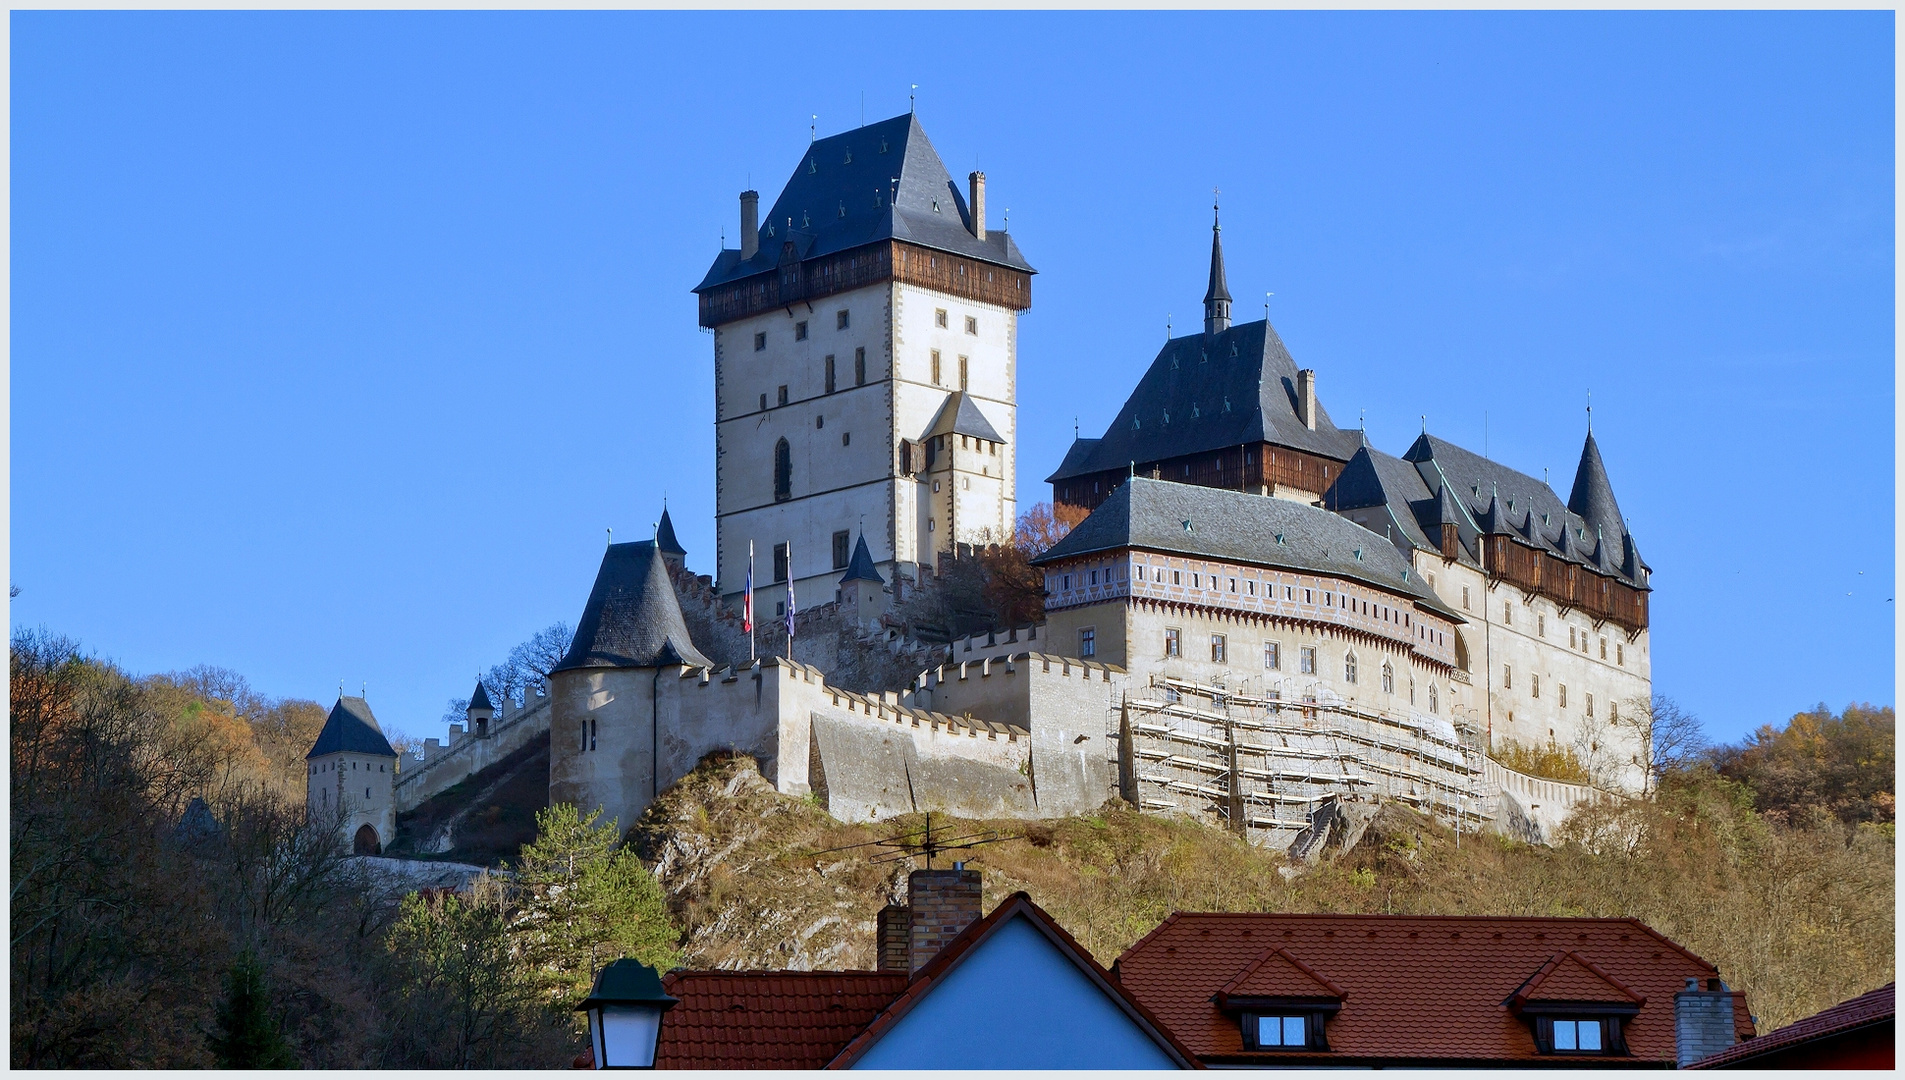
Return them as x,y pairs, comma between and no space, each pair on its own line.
480,712
1217,297
862,590
672,552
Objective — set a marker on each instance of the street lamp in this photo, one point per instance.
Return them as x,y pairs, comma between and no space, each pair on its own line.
625,1015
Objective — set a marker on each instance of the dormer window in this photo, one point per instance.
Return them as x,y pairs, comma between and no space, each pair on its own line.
1576,1035
1279,1032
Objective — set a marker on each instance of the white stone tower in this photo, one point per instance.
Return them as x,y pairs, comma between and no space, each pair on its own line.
865,350
353,767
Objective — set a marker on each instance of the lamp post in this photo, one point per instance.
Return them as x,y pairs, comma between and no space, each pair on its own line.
625,1010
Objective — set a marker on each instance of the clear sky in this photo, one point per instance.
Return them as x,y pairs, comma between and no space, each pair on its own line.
338,339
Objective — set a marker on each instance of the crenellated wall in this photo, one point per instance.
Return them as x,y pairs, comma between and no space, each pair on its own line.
443,765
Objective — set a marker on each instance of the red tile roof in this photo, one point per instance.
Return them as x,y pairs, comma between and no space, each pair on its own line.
768,1019
956,950
1872,1007
1572,977
1278,974
1417,989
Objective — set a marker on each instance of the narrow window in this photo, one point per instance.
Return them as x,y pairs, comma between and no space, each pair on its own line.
1508,677
962,372
780,563
1508,614
846,438
1431,697
1349,667
780,396
1603,648
1587,703
1094,577
783,472
840,550
1412,689
1177,577
1272,656
1088,641
760,340
1306,659
1562,693
1534,686
859,366
840,320
800,330
1541,625
1465,598
972,325
1173,644
1217,649
1388,678
1620,657
1570,637
935,367
830,374
763,402
592,732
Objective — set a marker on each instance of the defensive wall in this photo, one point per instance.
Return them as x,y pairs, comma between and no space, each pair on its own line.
465,753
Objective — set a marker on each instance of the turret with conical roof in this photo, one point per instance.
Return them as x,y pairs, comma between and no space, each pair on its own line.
480,711
672,552
632,618
862,590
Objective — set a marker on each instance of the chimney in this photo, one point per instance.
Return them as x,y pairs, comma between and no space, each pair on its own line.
896,929
976,201
943,902
1702,1021
750,224
1306,397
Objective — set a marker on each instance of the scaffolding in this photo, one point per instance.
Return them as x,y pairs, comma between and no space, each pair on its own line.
1261,760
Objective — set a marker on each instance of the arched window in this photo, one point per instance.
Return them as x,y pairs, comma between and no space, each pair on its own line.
1388,678
1349,667
783,471
1412,689
1431,697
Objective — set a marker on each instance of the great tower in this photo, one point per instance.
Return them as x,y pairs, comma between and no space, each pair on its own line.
865,358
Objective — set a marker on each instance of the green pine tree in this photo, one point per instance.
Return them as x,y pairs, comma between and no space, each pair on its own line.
247,1036
588,900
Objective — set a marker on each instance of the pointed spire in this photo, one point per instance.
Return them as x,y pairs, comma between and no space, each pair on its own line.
665,535
632,619
1217,297
1593,497
861,568
480,699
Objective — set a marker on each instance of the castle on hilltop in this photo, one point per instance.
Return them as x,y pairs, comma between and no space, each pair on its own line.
1261,620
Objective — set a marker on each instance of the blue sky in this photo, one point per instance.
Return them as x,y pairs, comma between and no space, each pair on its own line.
338,339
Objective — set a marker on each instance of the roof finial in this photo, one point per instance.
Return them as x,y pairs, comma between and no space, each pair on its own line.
1167,326
1008,219
363,690
1266,307
912,100
813,127
1074,427
1213,209
340,686
1425,423
1590,410
1134,470
611,533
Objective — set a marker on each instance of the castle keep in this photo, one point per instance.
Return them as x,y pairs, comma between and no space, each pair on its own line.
1262,617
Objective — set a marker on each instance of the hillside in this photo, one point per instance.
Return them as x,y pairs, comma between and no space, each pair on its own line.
1798,918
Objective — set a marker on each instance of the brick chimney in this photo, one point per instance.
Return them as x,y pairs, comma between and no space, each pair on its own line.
895,938
1702,1021
976,201
1306,397
942,903
750,224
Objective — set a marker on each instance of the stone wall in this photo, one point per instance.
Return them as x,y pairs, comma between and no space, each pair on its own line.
443,766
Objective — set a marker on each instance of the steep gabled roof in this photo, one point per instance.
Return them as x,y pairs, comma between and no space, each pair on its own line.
351,729
632,618
960,415
1870,1009
768,1019
1373,478
936,971
1253,529
1075,455
1207,392
1417,989
861,567
883,181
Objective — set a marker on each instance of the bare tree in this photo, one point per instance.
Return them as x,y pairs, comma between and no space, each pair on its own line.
1670,737
527,664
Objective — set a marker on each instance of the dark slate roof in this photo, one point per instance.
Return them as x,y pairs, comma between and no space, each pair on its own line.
1217,391
351,729
961,416
1375,479
1080,450
1528,508
1232,525
843,195
1592,498
861,567
632,618
480,698
665,536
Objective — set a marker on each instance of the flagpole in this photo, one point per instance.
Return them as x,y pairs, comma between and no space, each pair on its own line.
790,601
748,604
